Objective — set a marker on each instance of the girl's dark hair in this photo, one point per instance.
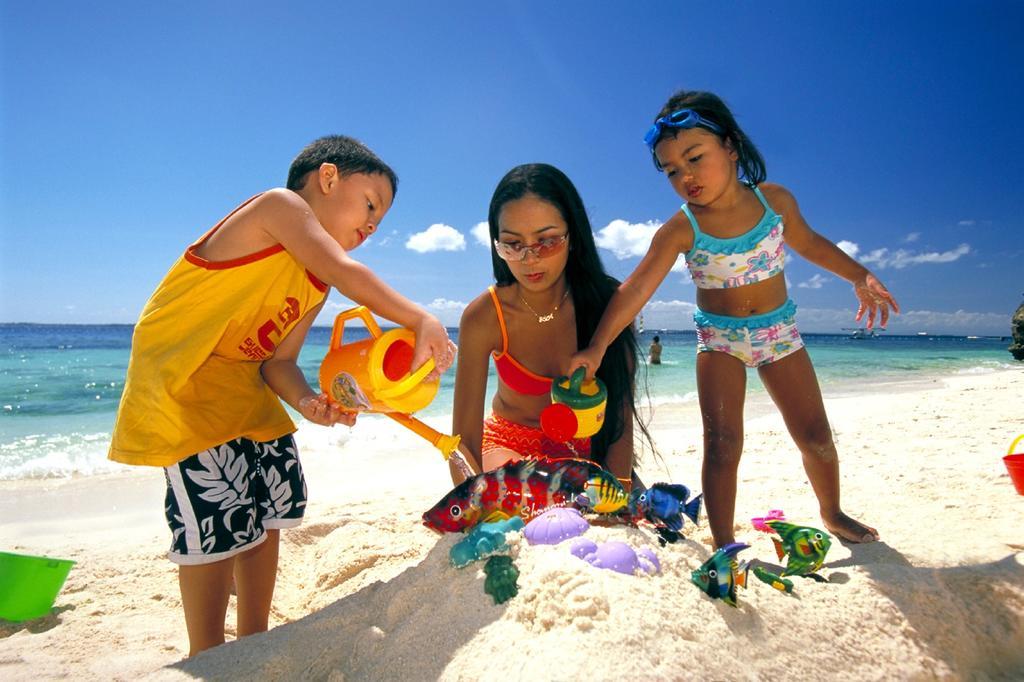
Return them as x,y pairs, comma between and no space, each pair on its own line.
750,165
348,154
590,286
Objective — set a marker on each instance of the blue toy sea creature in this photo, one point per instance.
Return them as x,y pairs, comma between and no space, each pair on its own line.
501,578
718,576
665,504
555,525
616,556
485,539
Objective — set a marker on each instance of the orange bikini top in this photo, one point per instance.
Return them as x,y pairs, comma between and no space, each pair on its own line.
510,370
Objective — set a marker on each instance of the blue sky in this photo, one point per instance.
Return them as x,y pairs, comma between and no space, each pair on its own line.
126,131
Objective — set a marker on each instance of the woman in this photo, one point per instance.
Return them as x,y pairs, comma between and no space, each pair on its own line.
551,290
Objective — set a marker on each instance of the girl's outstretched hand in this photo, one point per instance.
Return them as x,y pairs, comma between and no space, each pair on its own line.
589,357
432,342
874,299
320,410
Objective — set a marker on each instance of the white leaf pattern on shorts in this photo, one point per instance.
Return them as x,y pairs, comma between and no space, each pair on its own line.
280,502
225,477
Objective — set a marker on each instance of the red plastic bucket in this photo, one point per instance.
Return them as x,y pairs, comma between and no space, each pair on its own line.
1015,466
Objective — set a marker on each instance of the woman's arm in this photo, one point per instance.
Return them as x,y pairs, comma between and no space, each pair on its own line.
874,298
478,336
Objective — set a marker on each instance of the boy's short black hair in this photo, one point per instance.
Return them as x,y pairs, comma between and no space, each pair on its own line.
348,154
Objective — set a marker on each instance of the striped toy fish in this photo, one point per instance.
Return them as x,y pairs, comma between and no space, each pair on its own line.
525,488
806,547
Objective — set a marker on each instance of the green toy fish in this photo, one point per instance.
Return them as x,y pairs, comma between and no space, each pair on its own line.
805,546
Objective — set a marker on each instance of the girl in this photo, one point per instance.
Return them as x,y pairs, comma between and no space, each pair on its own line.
551,290
744,317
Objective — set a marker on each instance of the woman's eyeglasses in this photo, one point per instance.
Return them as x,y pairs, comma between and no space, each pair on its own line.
544,248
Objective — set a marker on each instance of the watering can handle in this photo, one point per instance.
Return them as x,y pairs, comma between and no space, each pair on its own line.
1014,443
409,382
361,312
576,380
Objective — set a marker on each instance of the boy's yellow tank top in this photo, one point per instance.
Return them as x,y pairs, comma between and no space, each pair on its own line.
194,373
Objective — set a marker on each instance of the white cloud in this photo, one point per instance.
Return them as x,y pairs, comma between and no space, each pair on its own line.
446,310
626,240
967,223
482,233
832,321
912,237
815,282
902,258
632,240
849,248
437,237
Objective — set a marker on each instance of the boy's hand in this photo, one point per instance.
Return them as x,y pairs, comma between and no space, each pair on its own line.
874,298
432,342
589,357
320,410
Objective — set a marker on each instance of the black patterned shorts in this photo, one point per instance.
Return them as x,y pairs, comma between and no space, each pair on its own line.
221,501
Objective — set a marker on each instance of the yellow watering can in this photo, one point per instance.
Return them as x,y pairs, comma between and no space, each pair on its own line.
577,407
374,375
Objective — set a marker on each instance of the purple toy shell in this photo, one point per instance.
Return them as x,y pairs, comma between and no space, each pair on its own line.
648,560
582,548
615,555
555,525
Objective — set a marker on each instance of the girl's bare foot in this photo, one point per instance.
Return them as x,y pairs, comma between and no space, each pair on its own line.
849,529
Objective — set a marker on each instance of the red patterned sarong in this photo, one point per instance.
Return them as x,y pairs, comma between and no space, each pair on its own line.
527,441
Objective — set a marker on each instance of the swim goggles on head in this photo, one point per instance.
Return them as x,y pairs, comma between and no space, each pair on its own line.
684,118
544,248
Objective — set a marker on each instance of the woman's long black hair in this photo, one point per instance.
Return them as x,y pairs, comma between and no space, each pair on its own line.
590,286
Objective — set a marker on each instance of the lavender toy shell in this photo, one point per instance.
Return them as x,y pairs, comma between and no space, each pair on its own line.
554,526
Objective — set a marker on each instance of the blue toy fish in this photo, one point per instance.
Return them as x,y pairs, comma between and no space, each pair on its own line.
718,576
805,546
665,504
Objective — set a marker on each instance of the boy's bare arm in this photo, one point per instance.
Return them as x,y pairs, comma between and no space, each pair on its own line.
282,374
289,220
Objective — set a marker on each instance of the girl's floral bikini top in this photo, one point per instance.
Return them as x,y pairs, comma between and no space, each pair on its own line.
751,257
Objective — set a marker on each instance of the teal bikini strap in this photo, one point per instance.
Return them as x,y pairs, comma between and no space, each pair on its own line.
760,197
693,222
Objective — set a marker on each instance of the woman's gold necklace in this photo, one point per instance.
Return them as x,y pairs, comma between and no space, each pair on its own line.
550,316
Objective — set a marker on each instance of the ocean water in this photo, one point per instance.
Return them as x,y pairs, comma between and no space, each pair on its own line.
60,384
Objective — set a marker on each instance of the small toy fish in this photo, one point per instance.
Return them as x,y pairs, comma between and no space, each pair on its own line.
525,488
805,546
664,505
777,581
718,576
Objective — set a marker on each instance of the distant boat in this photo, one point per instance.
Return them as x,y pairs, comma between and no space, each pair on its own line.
861,333
922,333
974,337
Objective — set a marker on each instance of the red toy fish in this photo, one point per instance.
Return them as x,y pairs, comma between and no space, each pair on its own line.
525,488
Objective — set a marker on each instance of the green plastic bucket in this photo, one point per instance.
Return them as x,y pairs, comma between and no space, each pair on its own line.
30,584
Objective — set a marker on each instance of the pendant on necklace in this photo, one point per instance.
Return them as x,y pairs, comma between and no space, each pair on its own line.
546,318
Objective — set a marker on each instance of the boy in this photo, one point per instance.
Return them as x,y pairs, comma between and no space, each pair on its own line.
216,347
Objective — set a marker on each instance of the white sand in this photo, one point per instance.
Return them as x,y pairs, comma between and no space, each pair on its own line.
366,592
